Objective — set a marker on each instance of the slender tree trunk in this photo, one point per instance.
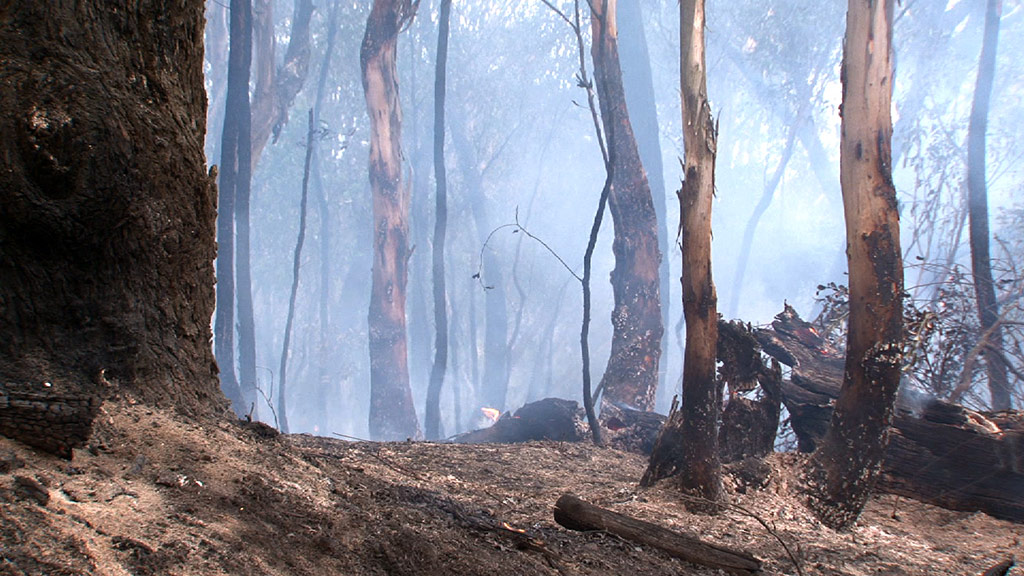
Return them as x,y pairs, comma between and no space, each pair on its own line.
631,377
981,262
107,213
421,339
392,414
282,390
689,440
643,113
433,408
845,467
243,267
326,390
233,168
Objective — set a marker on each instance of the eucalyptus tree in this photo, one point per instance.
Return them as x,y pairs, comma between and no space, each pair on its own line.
235,181
392,415
108,213
631,376
846,466
977,192
688,443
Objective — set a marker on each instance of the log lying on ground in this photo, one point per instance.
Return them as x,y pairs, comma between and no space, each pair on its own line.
575,514
51,422
548,419
939,453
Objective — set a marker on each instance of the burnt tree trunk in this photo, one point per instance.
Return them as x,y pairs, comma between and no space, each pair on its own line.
845,467
977,206
392,415
631,377
107,218
437,370
643,114
697,421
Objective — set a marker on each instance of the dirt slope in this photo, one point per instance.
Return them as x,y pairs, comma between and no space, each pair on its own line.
154,494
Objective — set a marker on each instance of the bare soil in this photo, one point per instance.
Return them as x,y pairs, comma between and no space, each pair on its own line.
155,494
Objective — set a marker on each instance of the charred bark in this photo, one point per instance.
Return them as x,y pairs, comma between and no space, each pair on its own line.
392,415
845,467
107,218
643,114
631,377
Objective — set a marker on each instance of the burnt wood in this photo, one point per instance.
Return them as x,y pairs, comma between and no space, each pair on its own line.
938,452
575,514
548,419
52,423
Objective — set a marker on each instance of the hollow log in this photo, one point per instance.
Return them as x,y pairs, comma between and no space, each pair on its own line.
938,452
575,514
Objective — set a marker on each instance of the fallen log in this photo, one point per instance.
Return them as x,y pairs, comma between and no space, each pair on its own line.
575,514
938,452
548,419
42,419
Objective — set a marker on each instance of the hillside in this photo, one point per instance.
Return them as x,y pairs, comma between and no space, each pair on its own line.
155,494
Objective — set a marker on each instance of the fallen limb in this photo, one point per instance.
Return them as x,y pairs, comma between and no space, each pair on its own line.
575,514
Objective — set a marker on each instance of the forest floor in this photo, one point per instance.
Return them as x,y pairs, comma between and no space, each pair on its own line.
156,494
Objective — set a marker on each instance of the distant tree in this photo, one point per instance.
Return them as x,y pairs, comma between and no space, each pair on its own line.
106,210
282,373
275,90
689,441
845,467
631,377
235,180
977,203
433,408
392,415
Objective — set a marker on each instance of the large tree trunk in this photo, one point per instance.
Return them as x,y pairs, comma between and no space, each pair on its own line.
977,193
697,421
844,469
392,415
631,377
433,408
107,217
643,115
